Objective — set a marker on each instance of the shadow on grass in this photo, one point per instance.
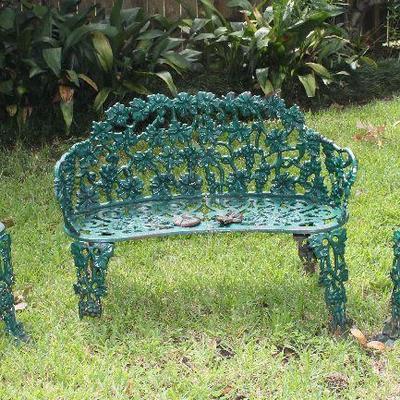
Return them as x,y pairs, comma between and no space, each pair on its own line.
223,306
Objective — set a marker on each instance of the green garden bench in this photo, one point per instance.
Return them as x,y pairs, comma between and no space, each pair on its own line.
205,164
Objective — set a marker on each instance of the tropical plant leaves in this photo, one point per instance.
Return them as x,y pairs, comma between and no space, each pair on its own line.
244,4
7,18
319,69
104,50
167,78
89,81
52,57
265,83
67,110
101,98
309,84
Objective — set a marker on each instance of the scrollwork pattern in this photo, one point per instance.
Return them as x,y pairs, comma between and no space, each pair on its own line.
91,262
7,309
329,249
159,148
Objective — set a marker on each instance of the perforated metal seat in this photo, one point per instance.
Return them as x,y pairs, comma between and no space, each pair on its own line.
263,213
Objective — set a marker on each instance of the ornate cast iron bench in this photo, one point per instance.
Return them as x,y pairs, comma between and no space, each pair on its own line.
200,164
7,309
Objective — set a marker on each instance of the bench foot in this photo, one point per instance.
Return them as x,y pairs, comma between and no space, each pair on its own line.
7,309
91,260
392,326
329,248
306,253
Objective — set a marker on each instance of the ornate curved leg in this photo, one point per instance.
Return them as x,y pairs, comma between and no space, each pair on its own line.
91,260
7,309
306,253
392,326
329,248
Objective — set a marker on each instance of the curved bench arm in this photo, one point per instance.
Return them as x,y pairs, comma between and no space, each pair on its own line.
342,167
64,173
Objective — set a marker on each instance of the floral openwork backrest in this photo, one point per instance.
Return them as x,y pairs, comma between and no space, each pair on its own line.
196,144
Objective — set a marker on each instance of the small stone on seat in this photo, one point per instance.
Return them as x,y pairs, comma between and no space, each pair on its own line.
187,221
230,218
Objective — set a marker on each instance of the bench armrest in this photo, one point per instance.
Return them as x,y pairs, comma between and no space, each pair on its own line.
342,167
64,176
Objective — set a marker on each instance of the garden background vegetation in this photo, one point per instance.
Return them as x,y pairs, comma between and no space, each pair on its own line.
63,67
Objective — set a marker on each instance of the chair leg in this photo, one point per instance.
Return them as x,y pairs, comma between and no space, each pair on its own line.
306,253
7,309
392,326
91,260
329,248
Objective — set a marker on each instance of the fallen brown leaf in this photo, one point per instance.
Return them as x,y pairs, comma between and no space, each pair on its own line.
186,361
12,109
66,93
359,336
379,366
8,222
375,345
337,381
360,192
223,350
129,388
226,390
287,352
370,133
20,306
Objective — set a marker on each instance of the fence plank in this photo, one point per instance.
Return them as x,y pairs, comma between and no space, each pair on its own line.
155,6
172,9
133,3
223,8
84,4
189,8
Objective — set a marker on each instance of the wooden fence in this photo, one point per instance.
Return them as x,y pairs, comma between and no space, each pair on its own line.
373,22
168,8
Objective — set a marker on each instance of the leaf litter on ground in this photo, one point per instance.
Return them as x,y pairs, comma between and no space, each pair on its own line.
368,132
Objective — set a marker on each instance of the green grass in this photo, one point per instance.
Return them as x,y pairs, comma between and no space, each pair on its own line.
173,303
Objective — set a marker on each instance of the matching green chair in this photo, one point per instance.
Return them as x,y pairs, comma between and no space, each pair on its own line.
391,329
7,309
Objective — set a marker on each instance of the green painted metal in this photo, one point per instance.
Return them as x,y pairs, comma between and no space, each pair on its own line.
392,327
261,212
7,309
91,266
329,248
202,157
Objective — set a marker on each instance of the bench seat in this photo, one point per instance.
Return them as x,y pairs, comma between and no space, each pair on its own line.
261,212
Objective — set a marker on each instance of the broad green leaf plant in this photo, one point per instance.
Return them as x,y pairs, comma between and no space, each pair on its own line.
53,55
277,43
139,49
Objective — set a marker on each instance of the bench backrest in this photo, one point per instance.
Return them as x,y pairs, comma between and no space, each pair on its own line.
192,144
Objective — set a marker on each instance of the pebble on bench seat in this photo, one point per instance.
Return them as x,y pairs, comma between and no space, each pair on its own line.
199,164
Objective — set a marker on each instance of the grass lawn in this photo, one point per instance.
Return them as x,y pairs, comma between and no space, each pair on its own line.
204,317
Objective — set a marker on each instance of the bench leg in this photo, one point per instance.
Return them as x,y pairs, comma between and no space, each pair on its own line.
329,248
7,309
392,326
306,253
91,260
